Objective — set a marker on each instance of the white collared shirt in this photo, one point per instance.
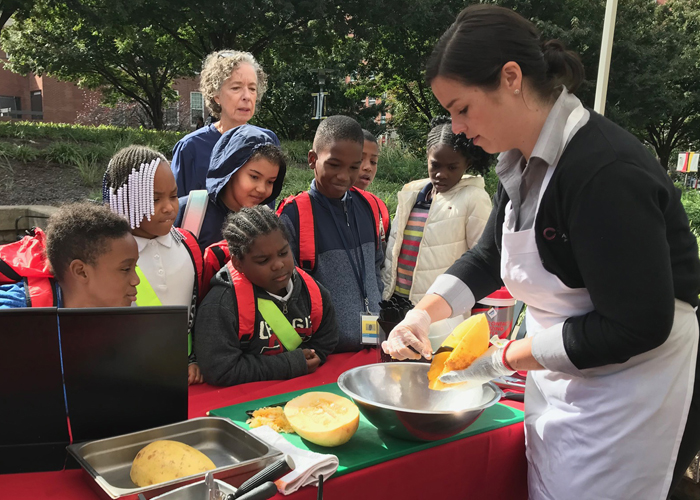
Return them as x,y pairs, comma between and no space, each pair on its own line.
289,288
168,267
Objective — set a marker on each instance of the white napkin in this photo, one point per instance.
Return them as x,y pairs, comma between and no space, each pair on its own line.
309,465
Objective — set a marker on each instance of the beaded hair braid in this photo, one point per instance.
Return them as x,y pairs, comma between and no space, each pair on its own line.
244,226
441,133
127,186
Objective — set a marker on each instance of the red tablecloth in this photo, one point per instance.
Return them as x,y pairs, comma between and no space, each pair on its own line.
489,466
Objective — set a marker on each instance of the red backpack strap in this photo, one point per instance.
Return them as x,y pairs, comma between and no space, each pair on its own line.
192,246
377,213
40,292
289,199
307,232
315,298
385,218
245,302
307,229
215,257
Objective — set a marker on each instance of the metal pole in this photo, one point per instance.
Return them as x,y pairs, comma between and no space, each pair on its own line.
601,90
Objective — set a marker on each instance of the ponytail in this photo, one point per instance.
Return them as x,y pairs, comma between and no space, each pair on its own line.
564,66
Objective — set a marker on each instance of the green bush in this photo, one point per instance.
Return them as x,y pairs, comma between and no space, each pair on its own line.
64,153
297,152
398,164
691,201
296,180
104,134
90,170
23,153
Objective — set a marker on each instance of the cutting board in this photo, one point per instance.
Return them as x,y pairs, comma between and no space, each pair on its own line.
369,446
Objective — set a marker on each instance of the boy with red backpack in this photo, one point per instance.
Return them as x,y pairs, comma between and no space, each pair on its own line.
336,230
87,258
262,319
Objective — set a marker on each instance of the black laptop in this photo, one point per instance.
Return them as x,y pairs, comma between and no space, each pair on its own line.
33,423
125,369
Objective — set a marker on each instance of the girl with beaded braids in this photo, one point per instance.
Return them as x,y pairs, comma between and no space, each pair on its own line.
263,319
232,83
439,218
139,185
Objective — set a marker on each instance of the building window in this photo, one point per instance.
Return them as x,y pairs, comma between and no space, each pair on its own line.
372,101
172,112
37,105
383,118
196,108
8,105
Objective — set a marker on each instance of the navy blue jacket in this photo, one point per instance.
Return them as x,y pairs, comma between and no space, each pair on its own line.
191,156
333,268
230,153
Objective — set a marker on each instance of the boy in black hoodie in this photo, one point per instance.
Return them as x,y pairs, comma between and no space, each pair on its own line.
262,319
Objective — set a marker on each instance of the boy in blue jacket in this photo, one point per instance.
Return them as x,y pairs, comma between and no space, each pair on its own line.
346,253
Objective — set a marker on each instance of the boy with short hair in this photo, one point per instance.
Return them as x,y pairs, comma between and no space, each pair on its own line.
345,254
370,158
93,258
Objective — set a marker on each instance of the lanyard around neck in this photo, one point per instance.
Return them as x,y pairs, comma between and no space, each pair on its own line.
358,268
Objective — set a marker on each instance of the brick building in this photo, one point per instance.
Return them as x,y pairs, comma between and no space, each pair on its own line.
34,97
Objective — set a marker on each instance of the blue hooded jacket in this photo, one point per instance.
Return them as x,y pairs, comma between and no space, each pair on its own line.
230,153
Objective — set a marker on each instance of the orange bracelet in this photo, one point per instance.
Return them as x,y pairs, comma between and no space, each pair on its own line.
505,363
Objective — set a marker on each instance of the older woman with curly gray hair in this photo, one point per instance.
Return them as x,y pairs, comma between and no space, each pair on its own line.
232,84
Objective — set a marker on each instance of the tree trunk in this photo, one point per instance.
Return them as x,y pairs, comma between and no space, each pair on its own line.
155,109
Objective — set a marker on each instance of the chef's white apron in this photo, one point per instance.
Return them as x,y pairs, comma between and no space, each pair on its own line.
613,432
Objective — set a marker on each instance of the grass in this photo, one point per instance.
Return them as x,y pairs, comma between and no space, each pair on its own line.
88,149
7,172
90,170
23,153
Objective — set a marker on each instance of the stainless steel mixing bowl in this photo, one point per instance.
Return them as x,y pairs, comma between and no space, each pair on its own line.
396,399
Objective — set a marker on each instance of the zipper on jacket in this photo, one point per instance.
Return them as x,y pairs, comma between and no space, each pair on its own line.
345,209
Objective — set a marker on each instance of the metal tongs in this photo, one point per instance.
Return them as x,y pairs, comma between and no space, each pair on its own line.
259,487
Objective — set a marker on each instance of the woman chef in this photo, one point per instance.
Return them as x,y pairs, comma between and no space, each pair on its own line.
588,231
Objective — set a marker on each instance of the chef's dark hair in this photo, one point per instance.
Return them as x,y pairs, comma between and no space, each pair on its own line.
485,37
478,160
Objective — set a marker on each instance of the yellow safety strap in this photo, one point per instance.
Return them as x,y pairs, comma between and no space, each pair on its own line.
146,297
280,324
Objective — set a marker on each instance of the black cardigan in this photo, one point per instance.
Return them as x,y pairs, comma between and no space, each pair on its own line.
614,224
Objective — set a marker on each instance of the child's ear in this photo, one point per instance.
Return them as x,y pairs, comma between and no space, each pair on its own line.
77,269
236,263
312,158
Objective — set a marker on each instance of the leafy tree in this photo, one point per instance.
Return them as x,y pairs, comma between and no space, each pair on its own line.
101,45
287,105
9,7
397,48
202,27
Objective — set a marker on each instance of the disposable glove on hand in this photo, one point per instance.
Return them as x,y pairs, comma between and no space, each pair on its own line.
485,368
412,331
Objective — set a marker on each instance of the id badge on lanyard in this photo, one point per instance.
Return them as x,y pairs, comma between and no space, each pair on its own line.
369,329
368,320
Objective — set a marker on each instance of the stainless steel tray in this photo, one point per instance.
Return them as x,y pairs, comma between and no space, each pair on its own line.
236,453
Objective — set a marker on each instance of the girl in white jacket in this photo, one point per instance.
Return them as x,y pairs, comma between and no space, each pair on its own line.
439,218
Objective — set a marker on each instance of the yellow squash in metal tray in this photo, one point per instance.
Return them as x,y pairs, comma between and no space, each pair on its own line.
165,460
